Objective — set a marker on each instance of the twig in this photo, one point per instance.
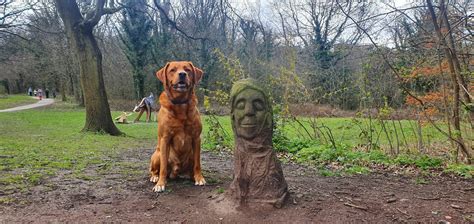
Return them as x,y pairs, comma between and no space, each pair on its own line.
468,189
403,212
153,206
428,199
457,200
391,200
355,206
342,192
104,202
456,206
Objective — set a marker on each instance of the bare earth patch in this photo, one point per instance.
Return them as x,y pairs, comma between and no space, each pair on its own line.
120,192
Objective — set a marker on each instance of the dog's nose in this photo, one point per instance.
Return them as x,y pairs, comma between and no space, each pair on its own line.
182,75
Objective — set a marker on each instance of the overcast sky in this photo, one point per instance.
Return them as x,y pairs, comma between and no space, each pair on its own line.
249,8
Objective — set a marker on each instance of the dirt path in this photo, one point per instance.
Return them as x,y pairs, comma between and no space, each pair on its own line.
119,192
40,103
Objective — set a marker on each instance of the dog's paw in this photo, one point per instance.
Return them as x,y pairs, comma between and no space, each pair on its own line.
199,181
159,188
154,179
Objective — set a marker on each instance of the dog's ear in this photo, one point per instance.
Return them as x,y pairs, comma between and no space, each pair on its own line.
161,74
197,73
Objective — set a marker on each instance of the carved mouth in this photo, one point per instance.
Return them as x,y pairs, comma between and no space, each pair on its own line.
181,86
248,125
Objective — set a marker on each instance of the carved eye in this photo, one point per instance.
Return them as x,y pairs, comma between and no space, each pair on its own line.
259,105
240,105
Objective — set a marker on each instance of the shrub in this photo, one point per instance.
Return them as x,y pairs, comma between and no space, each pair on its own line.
424,162
427,162
357,170
3,90
320,153
463,170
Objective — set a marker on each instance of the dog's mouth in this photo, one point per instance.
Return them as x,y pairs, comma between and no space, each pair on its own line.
181,86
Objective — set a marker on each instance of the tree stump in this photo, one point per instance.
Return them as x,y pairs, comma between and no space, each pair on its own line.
258,176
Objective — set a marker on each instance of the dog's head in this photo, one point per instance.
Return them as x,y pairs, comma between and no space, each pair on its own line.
179,77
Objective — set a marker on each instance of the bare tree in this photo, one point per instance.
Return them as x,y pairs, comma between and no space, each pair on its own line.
458,81
79,30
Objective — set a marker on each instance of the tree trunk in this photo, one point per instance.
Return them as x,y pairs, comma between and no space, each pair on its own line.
454,79
464,87
139,83
62,90
84,44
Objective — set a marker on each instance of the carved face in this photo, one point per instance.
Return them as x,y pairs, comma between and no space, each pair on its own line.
179,76
249,113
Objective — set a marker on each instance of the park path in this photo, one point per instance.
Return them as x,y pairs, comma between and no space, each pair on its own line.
40,103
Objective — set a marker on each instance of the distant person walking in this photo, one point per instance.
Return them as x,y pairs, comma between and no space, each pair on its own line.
54,93
46,91
35,92
40,94
30,91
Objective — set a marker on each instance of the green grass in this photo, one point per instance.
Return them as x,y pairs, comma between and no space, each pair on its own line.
9,101
346,132
39,143
35,144
464,170
358,162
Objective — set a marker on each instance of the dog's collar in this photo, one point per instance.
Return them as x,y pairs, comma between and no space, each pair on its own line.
179,102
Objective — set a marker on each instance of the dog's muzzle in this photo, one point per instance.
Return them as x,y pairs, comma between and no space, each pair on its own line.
181,86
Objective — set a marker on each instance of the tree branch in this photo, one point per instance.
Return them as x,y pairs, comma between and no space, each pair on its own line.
395,71
93,16
173,23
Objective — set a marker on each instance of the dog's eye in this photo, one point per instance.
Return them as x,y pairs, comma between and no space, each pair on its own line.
173,70
187,69
258,104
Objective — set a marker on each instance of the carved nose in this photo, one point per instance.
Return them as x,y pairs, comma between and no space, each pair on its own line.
249,110
182,75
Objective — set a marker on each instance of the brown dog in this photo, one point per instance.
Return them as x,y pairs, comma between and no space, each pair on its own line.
179,126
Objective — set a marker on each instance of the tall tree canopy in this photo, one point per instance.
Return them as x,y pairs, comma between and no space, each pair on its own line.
136,36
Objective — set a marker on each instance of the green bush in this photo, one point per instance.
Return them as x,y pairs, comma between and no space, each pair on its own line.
357,170
404,160
423,162
3,90
427,162
463,170
378,156
310,153
320,153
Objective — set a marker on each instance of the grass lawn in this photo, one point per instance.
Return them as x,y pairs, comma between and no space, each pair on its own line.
38,143
346,132
9,101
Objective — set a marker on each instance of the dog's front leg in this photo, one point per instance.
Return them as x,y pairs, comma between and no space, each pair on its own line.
164,154
198,178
